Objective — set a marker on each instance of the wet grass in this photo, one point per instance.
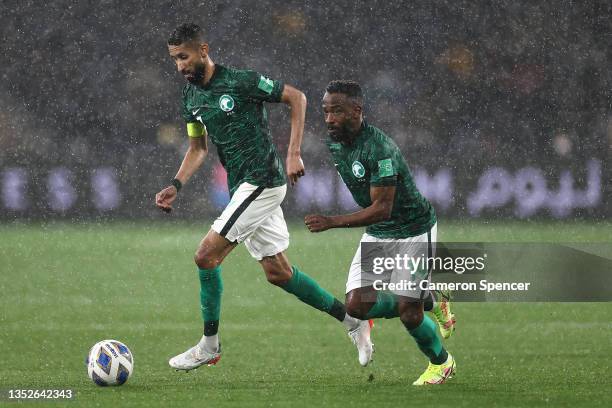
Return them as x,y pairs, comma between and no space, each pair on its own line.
63,287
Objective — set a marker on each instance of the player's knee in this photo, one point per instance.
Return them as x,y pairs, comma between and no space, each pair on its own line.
357,312
356,308
204,259
411,317
278,276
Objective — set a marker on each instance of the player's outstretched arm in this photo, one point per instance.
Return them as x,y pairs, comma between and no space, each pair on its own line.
379,210
297,101
194,157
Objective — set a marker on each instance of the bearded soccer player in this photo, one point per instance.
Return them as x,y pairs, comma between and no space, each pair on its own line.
398,219
226,105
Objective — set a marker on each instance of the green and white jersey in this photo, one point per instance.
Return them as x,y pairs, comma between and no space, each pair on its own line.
373,159
231,107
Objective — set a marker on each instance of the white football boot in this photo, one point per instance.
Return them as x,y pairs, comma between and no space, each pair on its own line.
360,336
195,357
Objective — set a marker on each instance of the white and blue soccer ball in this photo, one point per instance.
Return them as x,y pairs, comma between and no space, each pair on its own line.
110,362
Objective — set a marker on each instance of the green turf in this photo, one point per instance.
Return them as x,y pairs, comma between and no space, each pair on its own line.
65,287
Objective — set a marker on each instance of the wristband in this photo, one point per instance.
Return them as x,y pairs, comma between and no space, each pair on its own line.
177,183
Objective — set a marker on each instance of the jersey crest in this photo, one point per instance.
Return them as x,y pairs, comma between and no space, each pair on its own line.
226,103
358,169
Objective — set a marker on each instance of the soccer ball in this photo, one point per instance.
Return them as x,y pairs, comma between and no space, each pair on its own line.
109,362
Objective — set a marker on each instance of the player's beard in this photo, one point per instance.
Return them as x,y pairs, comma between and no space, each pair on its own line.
199,72
341,134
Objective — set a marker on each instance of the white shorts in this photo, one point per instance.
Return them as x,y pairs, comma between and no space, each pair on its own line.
424,244
254,216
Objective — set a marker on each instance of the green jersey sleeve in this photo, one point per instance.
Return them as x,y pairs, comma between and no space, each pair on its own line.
383,163
261,88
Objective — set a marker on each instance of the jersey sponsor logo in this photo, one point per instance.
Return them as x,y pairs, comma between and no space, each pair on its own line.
265,84
226,103
195,112
385,168
358,169
334,147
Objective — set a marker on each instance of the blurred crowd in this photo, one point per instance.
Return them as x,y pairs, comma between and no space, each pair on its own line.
457,83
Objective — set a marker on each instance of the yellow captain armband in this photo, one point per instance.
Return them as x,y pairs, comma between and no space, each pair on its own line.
196,129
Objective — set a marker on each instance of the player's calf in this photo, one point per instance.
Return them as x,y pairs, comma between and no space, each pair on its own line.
277,269
411,314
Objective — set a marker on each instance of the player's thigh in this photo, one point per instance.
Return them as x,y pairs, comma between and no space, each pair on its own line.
411,282
360,273
250,206
270,238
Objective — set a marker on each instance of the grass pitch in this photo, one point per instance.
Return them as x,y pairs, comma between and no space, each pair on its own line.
65,287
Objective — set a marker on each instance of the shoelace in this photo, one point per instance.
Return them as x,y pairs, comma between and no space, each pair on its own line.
433,369
353,334
441,314
445,295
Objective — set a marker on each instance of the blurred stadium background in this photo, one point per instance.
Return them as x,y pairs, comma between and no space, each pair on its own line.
503,109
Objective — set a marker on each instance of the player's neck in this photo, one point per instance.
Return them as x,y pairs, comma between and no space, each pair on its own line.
353,131
210,71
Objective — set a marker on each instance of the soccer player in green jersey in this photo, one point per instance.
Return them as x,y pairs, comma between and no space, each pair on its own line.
226,105
398,220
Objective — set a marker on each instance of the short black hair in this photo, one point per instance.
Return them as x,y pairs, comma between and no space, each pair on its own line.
186,33
347,87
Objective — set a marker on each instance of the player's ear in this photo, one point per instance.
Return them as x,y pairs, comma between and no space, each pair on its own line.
204,50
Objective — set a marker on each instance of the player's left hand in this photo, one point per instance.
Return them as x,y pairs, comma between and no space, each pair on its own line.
317,223
295,168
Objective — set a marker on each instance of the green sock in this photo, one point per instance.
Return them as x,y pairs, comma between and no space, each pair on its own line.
211,288
385,306
428,341
308,291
